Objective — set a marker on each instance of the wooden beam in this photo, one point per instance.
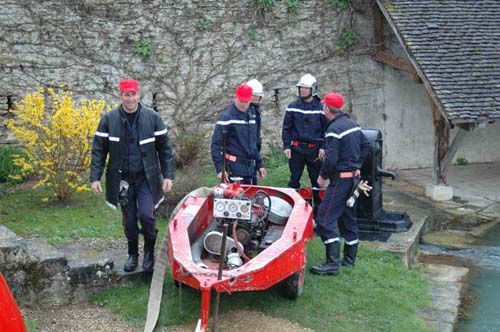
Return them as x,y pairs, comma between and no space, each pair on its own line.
393,61
452,150
436,164
436,167
441,143
427,84
378,29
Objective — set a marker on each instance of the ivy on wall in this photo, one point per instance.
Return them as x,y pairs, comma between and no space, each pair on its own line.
340,4
265,4
346,40
144,48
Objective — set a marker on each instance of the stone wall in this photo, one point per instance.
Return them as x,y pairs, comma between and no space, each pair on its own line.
189,55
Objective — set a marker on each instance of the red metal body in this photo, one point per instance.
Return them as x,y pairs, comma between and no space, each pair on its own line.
10,316
282,259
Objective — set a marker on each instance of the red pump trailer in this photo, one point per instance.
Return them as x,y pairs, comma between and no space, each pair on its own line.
11,319
282,255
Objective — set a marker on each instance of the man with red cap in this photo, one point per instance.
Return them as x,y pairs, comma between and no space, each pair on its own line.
140,168
345,149
237,130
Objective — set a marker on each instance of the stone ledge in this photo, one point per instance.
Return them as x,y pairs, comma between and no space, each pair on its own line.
405,244
40,274
446,285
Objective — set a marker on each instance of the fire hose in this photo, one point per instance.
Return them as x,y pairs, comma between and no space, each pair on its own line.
156,289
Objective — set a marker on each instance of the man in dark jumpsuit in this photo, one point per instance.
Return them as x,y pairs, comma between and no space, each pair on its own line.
140,168
302,134
237,129
258,94
345,149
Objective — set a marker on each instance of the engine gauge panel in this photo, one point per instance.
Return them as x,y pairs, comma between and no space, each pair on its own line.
232,208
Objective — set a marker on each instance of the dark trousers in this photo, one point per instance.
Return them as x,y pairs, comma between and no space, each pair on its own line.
296,164
237,170
334,217
140,207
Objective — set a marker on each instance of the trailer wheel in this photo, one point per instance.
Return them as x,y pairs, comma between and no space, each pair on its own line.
293,285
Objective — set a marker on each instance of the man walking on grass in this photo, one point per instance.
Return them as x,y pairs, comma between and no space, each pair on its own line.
140,168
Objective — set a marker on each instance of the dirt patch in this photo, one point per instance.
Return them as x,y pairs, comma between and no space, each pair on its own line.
251,321
88,317
75,318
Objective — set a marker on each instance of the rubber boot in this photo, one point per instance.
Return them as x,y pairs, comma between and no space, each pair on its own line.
148,263
133,256
350,252
332,265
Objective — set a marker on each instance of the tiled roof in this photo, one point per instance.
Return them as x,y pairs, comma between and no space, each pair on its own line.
456,45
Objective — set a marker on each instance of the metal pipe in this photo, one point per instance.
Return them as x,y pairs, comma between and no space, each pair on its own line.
219,275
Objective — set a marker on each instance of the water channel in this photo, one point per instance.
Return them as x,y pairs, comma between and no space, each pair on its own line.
484,283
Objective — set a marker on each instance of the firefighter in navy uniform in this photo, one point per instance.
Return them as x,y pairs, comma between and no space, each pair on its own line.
140,168
302,134
345,149
257,95
237,129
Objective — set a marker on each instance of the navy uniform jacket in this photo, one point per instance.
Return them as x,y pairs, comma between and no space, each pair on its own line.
345,147
241,133
258,120
304,122
154,144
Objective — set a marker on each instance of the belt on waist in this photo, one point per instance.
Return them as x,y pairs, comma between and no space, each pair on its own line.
236,159
304,144
347,175
132,177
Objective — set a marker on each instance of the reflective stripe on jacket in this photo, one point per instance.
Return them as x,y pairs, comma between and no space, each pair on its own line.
240,132
304,122
346,147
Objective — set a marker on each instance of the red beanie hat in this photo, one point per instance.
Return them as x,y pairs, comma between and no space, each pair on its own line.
244,93
333,99
129,86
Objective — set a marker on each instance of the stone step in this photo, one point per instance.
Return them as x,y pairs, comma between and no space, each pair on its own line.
12,249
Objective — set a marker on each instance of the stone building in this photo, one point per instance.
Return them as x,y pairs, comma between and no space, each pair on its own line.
189,55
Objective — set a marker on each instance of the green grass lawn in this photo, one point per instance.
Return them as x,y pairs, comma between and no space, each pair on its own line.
378,295
85,216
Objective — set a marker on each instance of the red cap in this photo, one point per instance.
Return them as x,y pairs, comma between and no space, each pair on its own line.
129,86
244,93
333,99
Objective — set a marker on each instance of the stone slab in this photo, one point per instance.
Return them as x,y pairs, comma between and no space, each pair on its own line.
6,234
492,211
405,244
42,251
446,284
438,192
446,273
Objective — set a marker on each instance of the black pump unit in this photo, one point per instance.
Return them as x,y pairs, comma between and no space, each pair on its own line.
370,212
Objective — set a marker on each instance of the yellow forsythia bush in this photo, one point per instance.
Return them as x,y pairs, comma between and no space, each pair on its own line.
57,138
